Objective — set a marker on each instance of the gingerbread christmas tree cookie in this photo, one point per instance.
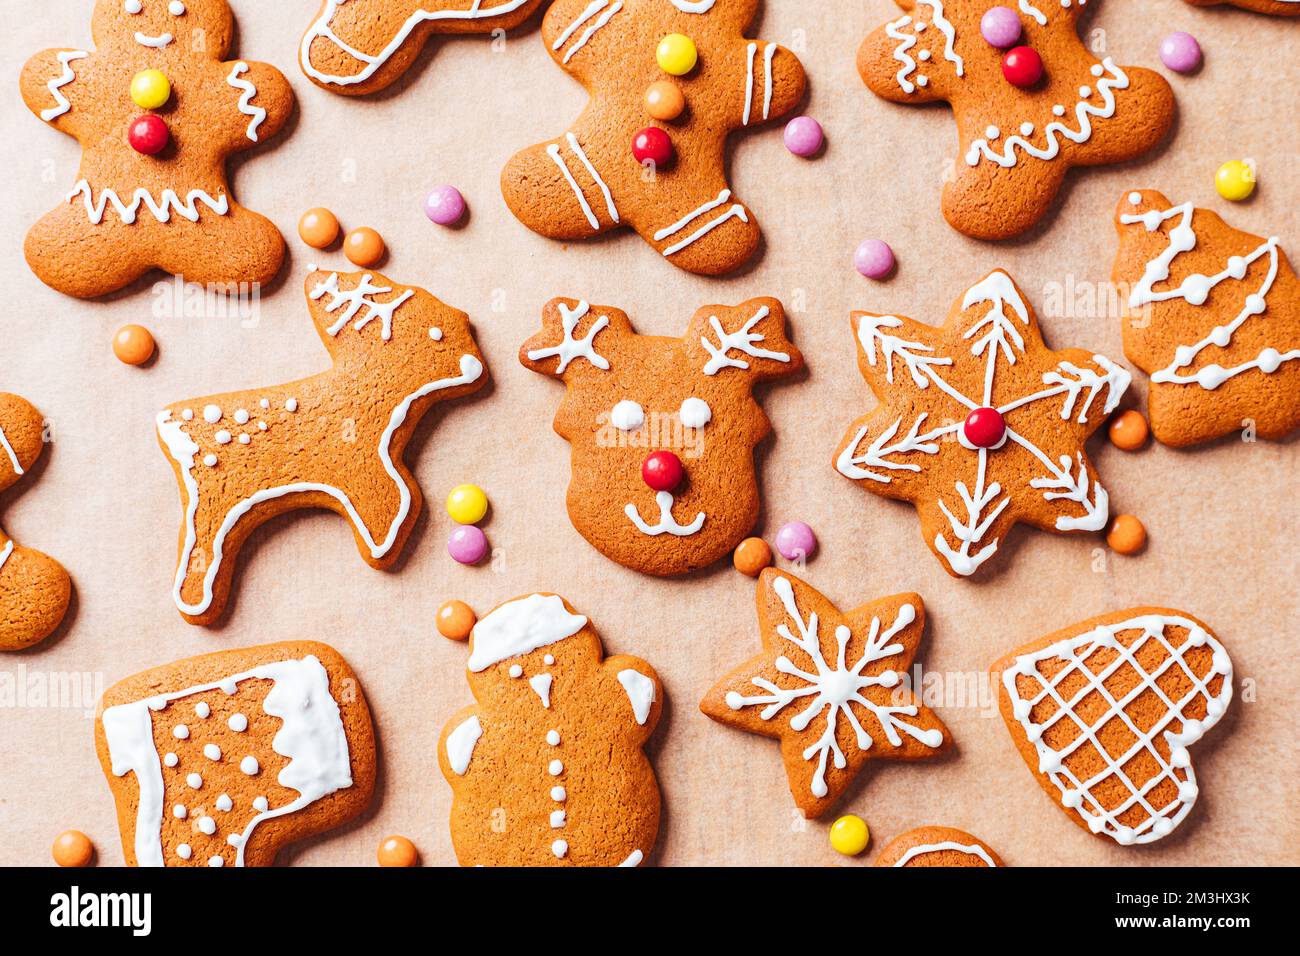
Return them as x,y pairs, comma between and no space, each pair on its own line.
828,685
1216,321
1030,101
980,424
669,80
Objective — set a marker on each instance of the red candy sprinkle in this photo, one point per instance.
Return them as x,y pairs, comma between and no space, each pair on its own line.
1022,66
984,427
652,145
148,135
662,471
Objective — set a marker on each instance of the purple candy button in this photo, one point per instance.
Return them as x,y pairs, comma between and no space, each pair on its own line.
1000,27
796,541
445,205
468,545
1180,52
874,259
804,136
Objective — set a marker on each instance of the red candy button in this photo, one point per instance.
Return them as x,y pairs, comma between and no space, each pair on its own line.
984,427
1022,66
652,145
662,471
149,135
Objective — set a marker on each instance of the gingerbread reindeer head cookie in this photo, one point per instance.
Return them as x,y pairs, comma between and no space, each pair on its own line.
648,151
662,429
1024,115
157,114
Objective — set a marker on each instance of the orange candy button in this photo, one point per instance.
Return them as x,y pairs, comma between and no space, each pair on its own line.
73,848
664,101
455,620
318,228
1129,430
1127,535
364,246
133,344
753,555
398,851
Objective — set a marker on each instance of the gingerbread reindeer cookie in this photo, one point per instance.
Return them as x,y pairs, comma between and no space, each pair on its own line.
333,441
1280,8
1025,115
1216,321
34,588
157,114
547,768
669,81
662,429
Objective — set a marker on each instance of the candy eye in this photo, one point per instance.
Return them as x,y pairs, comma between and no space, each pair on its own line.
695,413
132,6
176,8
627,416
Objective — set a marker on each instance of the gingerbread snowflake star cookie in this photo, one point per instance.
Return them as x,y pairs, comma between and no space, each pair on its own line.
980,424
828,685
1029,98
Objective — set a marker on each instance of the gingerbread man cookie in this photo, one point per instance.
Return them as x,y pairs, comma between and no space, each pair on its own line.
1021,124
1216,321
1280,8
1104,712
222,760
829,686
648,151
980,424
334,440
547,768
361,46
157,115
662,429
938,846
34,588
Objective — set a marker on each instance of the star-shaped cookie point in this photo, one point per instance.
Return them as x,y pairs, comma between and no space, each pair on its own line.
829,686
980,424
1015,143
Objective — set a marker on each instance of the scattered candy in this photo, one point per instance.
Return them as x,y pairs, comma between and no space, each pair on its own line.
662,470
653,145
455,620
677,54
874,259
753,555
1127,535
148,135
150,89
984,427
398,851
364,247
1129,430
1180,52
1235,180
849,834
1000,27
804,136
664,101
467,504
318,228
133,344
796,541
445,205
1022,66
468,545
73,848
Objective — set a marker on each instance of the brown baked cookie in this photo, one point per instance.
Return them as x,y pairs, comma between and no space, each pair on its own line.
980,424
1104,712
131,210
334,440
829,686
938,846
672,189
547,768
1216,321
1016,143
1280,8
662,429
34,588
223,759
361,46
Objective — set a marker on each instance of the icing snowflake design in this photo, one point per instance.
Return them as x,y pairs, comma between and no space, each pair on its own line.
352,301
989,357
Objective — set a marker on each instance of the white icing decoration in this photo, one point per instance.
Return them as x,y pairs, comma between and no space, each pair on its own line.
560,848
627,416
572,348
701,6
592,9
553,738
361,297
737,211
162,208
260,804
742,340
57,84
176,8
171,759
132,6
555,768
212,751
553,151
9,451
202,709
194,781
1033,11
769,53
516,671
224,803
640,692
181,732
249,92
695,413
460,744
156,43
238,723
184,851
973,849
180,811
216,862
207,825
905,42
541,685
667,523
520,627
557,819
949,33
249,766
559,794
634,859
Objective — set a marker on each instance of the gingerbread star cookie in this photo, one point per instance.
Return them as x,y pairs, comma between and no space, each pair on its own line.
157,115
361,46
1022,124
333,441
829,686
34,588
980,424
669,80
1215,323
938,846
1105,711
1280,8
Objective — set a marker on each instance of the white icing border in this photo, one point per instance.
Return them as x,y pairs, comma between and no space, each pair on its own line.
973,849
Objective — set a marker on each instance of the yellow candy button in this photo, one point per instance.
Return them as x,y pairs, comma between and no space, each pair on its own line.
1235,180
467,504
849,835
677,54
150,89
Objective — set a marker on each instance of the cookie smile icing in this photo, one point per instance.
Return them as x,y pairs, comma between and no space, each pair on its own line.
667,523
157,43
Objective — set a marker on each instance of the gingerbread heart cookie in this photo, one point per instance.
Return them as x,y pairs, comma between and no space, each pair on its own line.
829,686
938,846
34,588
1021,125
222,760
547,768
662,429
648,151
980,424
1279,8
334,440
1104,712
1216,321
157,115
361,46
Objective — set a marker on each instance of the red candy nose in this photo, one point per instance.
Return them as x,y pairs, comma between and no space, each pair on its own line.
148,135
662,471
1022,66
984,427
652,144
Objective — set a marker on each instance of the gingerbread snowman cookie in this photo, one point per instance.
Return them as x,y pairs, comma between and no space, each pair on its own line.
938,847
1030,101
547,768
662,429
669,80
333,441
1279,8
157,115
